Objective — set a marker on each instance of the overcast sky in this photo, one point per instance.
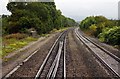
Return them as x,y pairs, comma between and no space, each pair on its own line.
79,9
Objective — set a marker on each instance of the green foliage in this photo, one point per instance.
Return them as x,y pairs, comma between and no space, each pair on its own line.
118,22
87,22
42,16
99,21
11,43
111,35
106,30
93,27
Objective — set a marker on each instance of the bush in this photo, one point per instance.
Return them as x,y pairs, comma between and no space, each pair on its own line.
87,22
111,35
44,17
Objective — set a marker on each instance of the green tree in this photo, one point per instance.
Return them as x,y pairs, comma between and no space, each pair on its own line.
44,17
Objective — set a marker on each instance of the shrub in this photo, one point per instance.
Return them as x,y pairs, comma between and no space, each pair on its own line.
87,22
111,35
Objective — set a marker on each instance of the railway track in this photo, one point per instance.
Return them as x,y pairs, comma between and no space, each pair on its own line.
110,61
54,64
50,65
108,52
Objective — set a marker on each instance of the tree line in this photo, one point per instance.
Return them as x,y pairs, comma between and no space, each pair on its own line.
106,30
42,16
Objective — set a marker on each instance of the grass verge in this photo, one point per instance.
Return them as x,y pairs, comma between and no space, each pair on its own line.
13,44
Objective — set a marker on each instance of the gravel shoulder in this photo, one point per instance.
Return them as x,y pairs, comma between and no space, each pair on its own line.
44,44
80,62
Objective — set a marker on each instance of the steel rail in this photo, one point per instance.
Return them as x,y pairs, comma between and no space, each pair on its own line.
47,57
53,69
64,58
83,39
112,55
58,60
18,66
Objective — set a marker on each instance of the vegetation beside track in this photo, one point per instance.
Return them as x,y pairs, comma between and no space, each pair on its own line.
13,42
41,17
105,30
